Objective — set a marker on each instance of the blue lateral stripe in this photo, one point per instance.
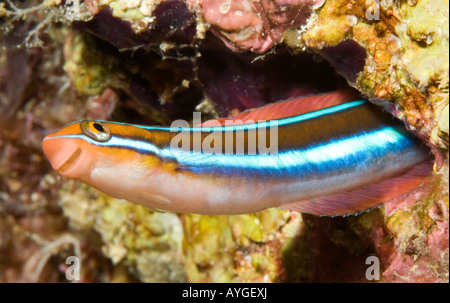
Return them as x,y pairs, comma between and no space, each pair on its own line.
325,157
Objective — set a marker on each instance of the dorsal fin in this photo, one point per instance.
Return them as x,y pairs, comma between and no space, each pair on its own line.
366,197
290,107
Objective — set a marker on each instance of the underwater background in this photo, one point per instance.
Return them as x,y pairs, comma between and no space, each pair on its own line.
151,62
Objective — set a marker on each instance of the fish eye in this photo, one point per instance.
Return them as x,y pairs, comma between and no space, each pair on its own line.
98,127
96,130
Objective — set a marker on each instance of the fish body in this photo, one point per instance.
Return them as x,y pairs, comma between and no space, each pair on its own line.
339,158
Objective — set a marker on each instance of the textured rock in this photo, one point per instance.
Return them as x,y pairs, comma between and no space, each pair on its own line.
155,61
149,243
254,25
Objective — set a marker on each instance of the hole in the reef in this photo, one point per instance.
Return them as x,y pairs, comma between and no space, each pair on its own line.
242,81
308,258
348,57
188,52
231,81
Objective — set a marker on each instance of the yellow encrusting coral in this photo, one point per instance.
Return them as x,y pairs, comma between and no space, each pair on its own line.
407,53
239,248
406,47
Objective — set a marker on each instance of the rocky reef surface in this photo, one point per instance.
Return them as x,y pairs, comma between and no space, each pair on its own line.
153,61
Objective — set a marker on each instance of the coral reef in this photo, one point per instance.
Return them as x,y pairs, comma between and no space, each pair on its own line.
243,248
147,242
150,62
253,25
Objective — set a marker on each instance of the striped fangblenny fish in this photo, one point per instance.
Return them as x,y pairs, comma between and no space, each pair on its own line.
335,155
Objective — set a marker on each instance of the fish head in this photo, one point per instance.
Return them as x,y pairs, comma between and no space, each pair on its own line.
81,149
69,150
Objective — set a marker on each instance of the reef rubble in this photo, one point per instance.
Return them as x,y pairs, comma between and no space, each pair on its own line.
153,61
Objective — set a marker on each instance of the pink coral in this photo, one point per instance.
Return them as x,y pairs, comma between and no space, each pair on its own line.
254,25
422,257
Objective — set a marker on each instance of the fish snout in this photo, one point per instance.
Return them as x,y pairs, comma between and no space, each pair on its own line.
63,153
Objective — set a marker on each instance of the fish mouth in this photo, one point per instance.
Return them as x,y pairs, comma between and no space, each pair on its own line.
63,153
69,163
